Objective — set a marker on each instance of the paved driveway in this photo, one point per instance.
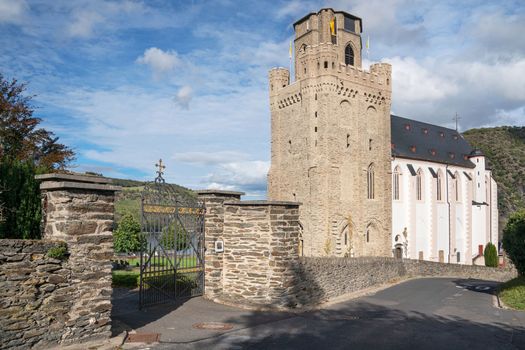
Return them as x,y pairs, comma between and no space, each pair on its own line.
425,314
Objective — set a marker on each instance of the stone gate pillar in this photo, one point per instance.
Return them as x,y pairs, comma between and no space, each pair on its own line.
214,225
79,210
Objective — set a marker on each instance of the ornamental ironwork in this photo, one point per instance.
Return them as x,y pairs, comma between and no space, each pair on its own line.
172,253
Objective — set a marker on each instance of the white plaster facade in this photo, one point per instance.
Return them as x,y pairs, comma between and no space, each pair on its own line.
451,229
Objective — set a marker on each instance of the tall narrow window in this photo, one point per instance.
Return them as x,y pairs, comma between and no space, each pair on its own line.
369,144
370,181
395,183
456,187
349,55
438,186
487,190
419,185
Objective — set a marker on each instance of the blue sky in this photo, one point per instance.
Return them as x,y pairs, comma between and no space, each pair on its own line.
125,83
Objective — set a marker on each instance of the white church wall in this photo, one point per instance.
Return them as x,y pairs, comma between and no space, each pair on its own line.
431,225
495,212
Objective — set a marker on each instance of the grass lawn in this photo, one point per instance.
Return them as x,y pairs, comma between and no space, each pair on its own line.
512,293
188,261
127,279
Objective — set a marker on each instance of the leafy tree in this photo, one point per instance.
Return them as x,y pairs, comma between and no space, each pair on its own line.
25,150
20,198
21,138
174,237
514,240
126,238
491,255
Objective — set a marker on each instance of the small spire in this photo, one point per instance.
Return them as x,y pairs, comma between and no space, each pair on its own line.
456,119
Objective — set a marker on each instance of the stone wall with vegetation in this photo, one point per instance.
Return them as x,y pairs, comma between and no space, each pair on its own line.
36,293
63,301
322,279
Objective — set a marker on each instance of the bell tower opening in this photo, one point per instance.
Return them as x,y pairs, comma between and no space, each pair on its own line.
349,55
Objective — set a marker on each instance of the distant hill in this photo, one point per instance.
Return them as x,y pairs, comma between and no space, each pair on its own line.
128,200
505,149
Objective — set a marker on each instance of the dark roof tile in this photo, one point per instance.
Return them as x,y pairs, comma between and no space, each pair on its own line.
441,145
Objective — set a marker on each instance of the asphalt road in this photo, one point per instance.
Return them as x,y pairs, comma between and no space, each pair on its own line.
418,314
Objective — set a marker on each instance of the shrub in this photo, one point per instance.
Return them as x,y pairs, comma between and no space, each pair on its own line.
20,199
126,237
58,252
491,255
514,240
173,232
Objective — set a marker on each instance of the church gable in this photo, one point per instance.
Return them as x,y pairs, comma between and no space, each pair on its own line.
422,141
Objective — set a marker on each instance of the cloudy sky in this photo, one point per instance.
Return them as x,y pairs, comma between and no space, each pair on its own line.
125,83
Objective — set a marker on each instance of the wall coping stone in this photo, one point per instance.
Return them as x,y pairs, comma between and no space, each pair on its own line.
220,192
264,202
74,178
56,185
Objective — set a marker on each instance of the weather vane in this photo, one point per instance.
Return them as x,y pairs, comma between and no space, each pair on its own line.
160,172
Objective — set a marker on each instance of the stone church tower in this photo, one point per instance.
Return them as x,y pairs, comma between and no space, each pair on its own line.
331,145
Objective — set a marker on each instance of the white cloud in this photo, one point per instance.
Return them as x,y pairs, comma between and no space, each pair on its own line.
294,8
248,175
159,61
12,11
412,82
209,158
84,23
184,96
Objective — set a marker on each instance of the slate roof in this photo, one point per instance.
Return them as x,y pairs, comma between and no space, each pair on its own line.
413,139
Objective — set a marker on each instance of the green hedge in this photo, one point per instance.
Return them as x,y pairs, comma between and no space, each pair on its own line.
20,200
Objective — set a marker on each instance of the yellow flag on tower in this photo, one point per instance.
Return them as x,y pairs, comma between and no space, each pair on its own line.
332,26
290,49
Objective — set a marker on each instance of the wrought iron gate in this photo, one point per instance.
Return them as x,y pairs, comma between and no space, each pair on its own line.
172,254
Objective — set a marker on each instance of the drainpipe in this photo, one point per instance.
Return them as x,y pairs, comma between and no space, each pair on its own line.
449,219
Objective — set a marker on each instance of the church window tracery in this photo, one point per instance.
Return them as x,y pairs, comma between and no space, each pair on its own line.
396,183
349,55
457,189
419,185
370,181
439,186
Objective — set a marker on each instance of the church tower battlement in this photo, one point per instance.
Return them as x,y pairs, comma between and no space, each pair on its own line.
331,145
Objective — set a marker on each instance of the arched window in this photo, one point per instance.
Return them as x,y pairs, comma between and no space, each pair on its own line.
395,183
419,185
349,55
439,182
370,181
487,190
457,188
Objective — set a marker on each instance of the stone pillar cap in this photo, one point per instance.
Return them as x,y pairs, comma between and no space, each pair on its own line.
83,182
223,192
74,178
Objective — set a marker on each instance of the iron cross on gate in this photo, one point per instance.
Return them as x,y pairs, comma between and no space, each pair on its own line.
160,172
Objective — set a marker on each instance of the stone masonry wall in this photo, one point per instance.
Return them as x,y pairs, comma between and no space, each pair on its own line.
260,247
323,279
214,225
66,301
35,294
260,242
